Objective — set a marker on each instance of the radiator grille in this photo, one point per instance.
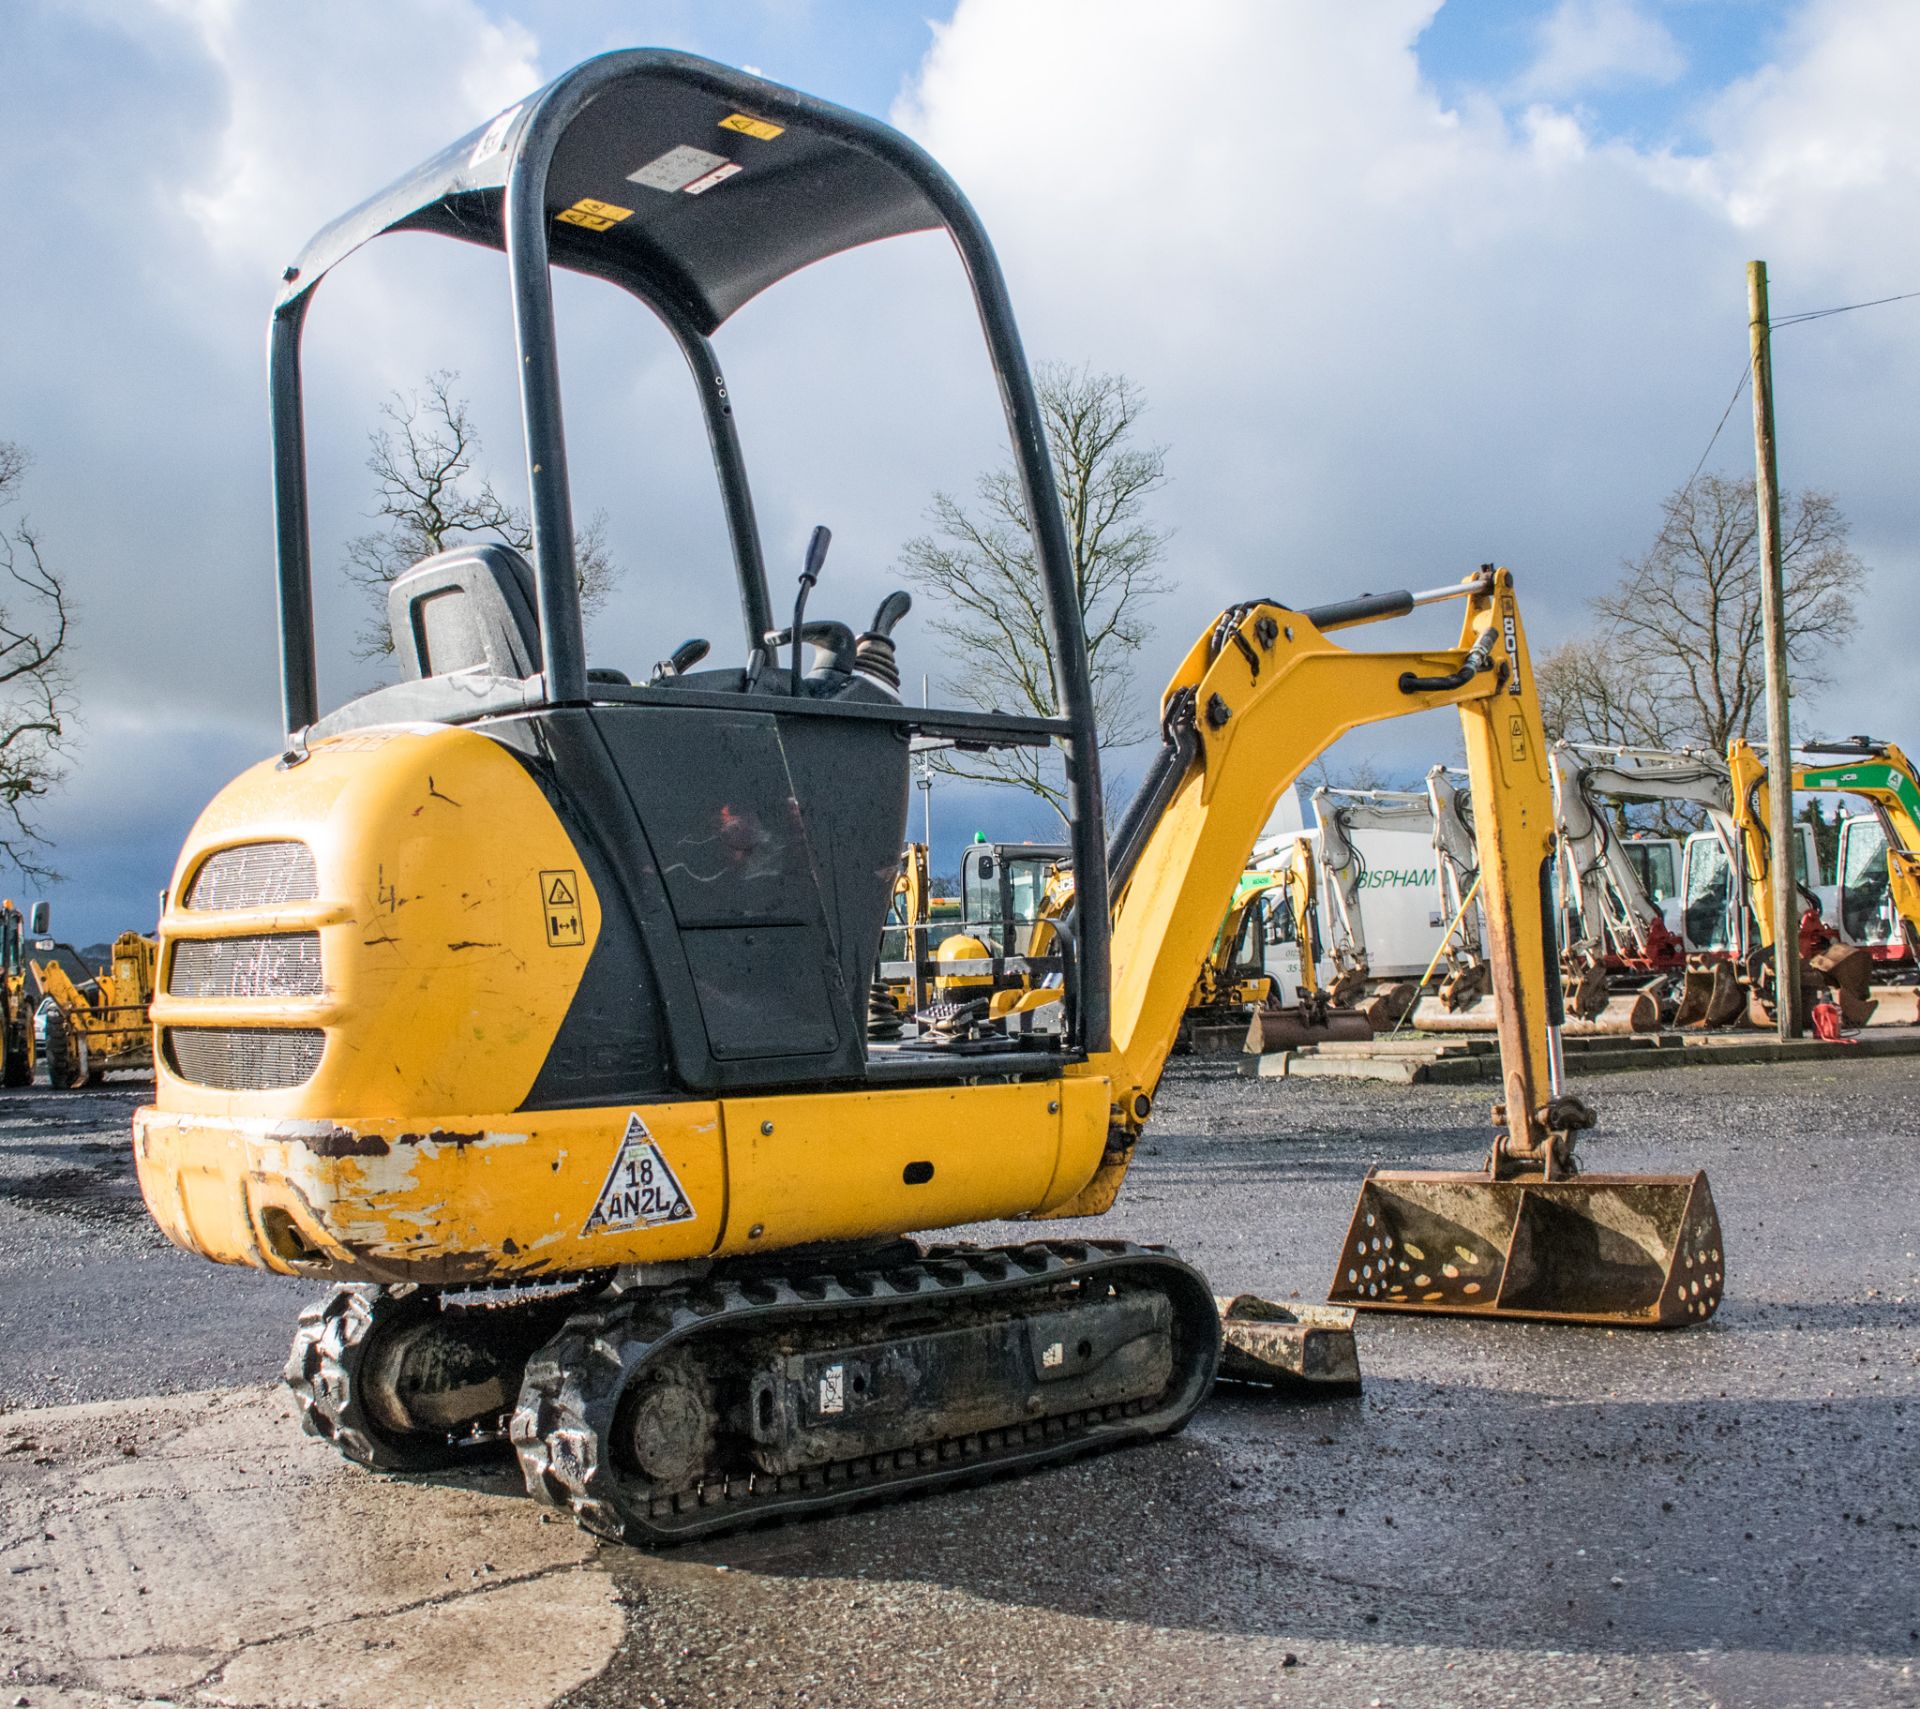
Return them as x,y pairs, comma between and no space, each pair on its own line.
280,965
244,1059
254,875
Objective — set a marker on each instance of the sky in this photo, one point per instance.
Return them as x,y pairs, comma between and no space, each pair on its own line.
1410,286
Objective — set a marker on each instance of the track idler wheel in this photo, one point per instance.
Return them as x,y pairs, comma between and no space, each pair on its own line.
398,1385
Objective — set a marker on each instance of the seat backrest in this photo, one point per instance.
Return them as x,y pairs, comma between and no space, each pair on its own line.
468,609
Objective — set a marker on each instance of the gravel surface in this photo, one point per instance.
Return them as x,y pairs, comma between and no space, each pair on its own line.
1509,1514
95,1302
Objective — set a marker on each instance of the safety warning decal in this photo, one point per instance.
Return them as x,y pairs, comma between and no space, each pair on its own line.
560,903
641,1191
594,215
677,168
833,1389
758,129
494,137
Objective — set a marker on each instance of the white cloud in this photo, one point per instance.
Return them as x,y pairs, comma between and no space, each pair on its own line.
1598,44
414,77
1385,338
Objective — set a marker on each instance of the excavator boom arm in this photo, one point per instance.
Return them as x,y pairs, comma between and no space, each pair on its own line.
1270,692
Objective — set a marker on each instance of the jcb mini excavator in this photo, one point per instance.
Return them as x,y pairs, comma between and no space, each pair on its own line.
1881,775
528,1003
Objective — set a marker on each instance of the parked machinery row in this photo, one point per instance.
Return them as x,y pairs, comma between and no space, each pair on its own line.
1369,916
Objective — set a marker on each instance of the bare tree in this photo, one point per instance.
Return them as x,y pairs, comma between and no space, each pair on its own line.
979,563
35,692
430,498
1678,657
1585,696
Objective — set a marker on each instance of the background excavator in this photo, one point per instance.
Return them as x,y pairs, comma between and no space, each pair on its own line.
1616,934
1880,774
527,1004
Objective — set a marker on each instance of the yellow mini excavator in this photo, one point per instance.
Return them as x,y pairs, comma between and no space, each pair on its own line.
526,1004
1881,775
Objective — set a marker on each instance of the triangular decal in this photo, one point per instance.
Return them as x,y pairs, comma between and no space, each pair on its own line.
640,1190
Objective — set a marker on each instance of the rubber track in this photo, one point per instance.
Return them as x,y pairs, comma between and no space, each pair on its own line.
323,1371
573,1386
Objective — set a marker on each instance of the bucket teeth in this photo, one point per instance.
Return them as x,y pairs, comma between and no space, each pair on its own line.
1629,1250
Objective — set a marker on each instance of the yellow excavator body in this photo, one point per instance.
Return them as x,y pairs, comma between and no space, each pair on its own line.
529,1005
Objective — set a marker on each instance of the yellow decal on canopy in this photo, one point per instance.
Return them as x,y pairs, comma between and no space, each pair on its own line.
758,129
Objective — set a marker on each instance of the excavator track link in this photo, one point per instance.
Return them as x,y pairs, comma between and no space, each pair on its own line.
326,1370
636,1378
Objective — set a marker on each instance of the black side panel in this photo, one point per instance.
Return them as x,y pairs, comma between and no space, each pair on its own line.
762,991
612,1047
744,863
852,781
727,828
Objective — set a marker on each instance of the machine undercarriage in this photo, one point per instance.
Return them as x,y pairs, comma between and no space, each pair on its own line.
655,1413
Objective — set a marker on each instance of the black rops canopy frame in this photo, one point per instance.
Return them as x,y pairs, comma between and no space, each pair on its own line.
694,187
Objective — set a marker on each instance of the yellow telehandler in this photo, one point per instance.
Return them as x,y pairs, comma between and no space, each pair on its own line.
525,1004
90,1020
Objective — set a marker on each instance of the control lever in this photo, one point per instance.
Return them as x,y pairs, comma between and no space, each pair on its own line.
894,607
682,659
809,574
873,654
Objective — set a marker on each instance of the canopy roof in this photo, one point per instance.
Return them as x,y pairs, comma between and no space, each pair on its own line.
688,182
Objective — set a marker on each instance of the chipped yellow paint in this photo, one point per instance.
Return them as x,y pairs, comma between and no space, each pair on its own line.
394,1200
509,1194
446,983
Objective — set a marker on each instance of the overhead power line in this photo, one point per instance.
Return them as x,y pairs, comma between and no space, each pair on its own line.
1746,371
1843,309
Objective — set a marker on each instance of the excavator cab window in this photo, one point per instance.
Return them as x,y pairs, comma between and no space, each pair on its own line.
1866,888
1654,862
1708,876
1276,914
1002,888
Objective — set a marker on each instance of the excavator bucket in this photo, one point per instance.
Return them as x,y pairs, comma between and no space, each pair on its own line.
1640,1251
1711,996
1294,1026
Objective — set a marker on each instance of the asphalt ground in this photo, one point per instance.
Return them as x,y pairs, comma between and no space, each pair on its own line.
1509,1513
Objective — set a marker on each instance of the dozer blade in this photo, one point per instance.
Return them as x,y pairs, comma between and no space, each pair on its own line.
1631,1250
1300,1350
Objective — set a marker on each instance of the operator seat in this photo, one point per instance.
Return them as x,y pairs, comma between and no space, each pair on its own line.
470,608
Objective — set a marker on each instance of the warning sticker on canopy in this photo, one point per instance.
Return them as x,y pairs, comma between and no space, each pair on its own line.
677,168
640,1191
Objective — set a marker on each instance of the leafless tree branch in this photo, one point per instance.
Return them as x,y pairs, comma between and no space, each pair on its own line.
36,693
1677,656
979,565
428,498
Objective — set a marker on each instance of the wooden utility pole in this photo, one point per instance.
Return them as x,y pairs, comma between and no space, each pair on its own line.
1781,866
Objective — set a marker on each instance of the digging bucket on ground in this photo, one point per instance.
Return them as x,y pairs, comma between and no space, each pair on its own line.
1640,1251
